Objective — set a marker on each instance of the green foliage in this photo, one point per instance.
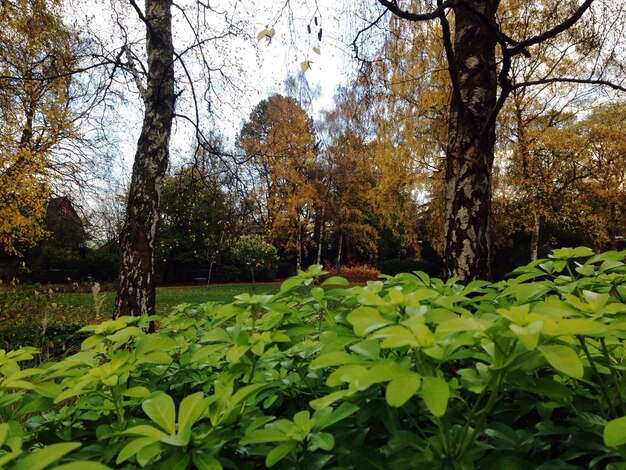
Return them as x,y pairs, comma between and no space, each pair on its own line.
255,254
407,372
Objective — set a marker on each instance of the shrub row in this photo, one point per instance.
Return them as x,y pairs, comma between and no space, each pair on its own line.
406,373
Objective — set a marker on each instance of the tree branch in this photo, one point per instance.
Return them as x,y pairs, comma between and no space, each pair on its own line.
586,81
558,29
392,6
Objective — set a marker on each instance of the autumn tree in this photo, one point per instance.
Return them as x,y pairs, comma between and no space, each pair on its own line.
410,90
279,143
35,114
479,54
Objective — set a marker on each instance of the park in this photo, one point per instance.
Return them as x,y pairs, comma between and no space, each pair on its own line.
313,234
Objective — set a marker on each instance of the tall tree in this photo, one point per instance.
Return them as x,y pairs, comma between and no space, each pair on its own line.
279,142
137,282
472,33
35,115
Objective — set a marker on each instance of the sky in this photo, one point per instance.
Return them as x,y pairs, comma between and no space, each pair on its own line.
256,68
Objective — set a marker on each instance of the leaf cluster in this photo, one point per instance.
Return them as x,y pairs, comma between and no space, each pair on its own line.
406,372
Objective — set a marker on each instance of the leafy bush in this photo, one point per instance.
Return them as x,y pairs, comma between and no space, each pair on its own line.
259,258
407,372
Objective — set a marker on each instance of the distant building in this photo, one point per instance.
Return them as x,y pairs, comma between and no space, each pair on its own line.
64,223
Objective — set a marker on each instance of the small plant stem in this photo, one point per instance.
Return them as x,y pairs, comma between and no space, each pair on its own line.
443,432
416,425
484,412
251,375
603,388
616,381
463,446
473,412
119,408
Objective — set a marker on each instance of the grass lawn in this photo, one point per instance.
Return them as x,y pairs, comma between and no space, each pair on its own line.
62,308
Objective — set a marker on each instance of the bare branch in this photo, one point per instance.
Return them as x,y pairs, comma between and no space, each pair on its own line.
584,81
392,6
551,33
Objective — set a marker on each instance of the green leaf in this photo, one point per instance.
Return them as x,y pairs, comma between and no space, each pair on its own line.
528,335
36,405
144,430
191,410
322,440
435,392
179,440
317,293
161,410
48,389
371,298
4,432
331,398
278,453
41,458
336,281
402,388
133,447
235,353
563,359
366,320
136,392
615,432
568,253
574,326
205,461
148,453
595,300
527,291
383,373
395,336
328,419
368,348
263,436
334,358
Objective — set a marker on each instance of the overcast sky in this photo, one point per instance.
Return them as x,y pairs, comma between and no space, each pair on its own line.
258,68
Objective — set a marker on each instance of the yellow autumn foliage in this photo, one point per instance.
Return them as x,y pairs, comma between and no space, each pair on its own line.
34,113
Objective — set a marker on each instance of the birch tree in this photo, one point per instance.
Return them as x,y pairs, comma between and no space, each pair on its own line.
137,283
479,54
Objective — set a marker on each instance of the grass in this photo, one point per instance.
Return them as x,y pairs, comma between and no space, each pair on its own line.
65,308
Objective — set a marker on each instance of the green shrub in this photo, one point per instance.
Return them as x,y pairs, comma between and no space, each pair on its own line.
258,258
407,372
227,273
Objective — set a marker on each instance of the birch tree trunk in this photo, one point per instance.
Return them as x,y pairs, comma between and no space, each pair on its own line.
470,148
320,240
338,260
137,283
534,238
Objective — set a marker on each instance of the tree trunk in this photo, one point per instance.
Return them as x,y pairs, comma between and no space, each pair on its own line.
534,238
338,261
469,154
299,247
320,239
137,283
